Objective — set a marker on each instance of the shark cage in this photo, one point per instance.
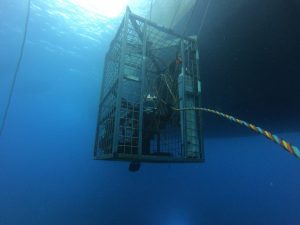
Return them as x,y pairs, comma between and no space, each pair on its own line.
151,75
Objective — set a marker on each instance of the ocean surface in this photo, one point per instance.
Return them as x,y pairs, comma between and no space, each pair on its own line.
47,172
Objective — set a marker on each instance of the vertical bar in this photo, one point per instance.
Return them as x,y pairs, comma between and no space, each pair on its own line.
183,105
158,142
200,126
120,84
99,109
144,45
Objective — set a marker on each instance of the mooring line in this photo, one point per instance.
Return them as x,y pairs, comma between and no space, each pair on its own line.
278,140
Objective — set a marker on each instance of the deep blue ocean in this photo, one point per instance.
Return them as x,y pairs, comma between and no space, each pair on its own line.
47,172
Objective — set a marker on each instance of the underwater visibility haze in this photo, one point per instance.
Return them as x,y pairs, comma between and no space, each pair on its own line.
249,66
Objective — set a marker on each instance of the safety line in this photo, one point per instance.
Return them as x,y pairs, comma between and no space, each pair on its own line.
283,143
203,18
12,87
187,25
150,11
177,9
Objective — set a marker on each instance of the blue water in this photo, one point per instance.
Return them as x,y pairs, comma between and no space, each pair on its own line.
48,176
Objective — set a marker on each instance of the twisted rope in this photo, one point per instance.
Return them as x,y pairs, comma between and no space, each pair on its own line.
280,141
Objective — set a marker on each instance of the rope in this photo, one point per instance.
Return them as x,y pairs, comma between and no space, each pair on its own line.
191,15
283,143
280,141
12,87
203,18
150,12
168,86
175,14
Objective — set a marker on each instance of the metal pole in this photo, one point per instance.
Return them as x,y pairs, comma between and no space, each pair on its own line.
141,111
120,84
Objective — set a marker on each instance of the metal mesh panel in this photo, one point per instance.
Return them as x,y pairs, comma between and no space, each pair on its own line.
129,118
106,122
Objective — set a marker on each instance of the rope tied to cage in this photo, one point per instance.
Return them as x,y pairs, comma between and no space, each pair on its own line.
278,140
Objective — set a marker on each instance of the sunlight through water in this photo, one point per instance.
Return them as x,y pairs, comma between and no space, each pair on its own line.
110,9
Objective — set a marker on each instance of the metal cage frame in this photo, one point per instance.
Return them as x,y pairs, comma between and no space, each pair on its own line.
149,70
